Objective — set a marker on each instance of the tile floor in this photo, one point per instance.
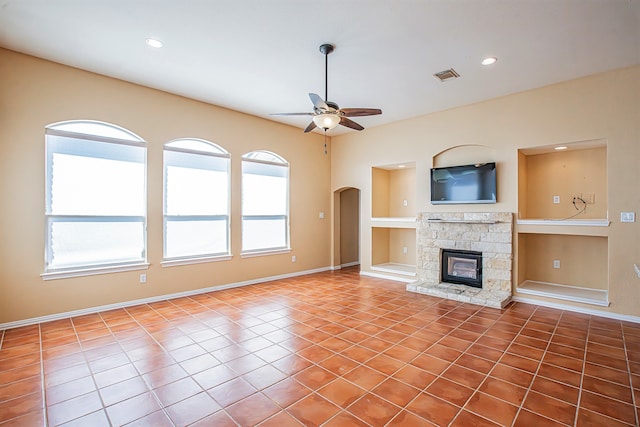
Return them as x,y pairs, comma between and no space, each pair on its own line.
330,349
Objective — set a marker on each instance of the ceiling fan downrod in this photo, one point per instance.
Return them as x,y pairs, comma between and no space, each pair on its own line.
326,49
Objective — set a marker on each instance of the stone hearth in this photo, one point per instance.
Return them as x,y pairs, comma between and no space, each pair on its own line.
488,232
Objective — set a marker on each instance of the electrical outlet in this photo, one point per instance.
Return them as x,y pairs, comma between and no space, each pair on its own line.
293,258
627,217
589,198
321,215
405,203
143,278
556,200
556,263
405,250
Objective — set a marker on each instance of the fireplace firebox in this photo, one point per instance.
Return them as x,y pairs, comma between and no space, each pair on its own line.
461,267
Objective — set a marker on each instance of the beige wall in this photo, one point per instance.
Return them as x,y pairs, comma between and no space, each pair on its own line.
35,93
565,174
583,259
402,186
400,238
390,188
600,107
380,240
523,183
380,193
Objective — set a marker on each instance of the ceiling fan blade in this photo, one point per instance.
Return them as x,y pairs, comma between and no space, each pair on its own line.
291,114
358,112
350,123
311,127
318,102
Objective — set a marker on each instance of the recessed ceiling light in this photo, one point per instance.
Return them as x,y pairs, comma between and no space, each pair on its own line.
561,147
154,43
401,166
490,60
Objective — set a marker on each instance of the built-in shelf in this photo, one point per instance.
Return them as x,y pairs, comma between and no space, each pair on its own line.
562,231
566,222
577,227
390,267
394,222
393,219
462,221
598,297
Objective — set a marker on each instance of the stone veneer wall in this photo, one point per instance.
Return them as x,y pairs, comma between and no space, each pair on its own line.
488,232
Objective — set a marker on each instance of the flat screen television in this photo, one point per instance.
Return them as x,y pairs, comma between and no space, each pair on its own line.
464,184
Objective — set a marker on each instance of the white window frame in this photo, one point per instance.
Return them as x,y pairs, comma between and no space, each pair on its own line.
112,134
269,158
214,151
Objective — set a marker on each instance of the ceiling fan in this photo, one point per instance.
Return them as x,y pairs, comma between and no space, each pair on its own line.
326,114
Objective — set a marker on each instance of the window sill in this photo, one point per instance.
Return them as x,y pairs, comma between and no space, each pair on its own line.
93,271
200,260
251,254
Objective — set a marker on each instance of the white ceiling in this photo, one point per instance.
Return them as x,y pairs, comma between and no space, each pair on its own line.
261,56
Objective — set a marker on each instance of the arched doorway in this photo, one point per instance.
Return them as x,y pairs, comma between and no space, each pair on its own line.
347,227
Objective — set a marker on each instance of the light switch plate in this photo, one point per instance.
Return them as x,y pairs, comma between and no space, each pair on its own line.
627,217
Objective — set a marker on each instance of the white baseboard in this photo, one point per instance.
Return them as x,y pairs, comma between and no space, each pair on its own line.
386,276
350,264
341,266
91,310
594,312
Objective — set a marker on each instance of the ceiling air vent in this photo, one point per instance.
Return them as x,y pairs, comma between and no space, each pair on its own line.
446,75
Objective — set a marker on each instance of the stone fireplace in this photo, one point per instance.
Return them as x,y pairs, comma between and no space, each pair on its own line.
486,234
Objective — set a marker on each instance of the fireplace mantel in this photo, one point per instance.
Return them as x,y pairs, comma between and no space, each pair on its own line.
462,221
488,232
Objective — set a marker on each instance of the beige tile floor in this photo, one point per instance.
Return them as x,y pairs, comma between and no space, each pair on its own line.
330,349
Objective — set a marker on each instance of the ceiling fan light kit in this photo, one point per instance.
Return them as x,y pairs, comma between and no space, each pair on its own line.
326,121
326,114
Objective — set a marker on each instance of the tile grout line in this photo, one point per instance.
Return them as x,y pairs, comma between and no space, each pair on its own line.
476,390
515,417
453,362
93,380
535,375
152,390
584,365
438,376
317,364
422,390
583,374
633,395
248,300
42,385
359,364
148,386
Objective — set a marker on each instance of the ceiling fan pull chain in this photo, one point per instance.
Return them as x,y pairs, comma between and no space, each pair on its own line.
325,142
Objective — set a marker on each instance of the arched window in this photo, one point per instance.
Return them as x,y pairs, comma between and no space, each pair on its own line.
196,200
265,202
95,199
